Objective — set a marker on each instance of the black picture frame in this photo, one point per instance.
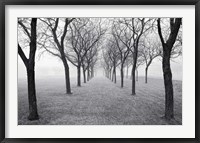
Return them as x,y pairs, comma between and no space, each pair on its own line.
3,4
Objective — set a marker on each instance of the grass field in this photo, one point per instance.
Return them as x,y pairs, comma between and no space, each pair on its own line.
99,102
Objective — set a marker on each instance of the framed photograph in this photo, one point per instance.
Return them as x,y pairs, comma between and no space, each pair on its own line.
99,71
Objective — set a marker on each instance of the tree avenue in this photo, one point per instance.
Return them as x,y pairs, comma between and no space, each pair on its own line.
108,45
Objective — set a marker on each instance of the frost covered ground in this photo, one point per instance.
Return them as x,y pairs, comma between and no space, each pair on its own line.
99,102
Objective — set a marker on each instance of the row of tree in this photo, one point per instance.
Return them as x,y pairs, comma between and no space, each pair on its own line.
138,41
125,42
75,40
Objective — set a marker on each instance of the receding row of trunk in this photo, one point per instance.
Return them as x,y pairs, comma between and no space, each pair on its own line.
90,74
108,73
113,75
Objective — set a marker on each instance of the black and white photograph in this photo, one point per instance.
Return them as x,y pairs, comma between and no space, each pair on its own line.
99,70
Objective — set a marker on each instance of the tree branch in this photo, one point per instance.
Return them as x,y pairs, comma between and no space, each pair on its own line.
160,32
25,29
22,55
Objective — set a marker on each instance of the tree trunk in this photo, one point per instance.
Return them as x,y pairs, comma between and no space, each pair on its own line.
66,66
92,71
133,81
122,76
84,76
169,102
67,77
146,73
134,68
78,75
113,75
110,73
33,113
88,74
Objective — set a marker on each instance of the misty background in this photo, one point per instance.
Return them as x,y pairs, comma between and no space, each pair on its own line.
51,66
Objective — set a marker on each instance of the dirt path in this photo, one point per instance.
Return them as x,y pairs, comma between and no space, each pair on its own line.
101,102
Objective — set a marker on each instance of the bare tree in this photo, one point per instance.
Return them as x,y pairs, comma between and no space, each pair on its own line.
30,65
167,48
123,43
58,35
140,61
137,31
177,47
84,68
137,27
150,49
85,34
78,50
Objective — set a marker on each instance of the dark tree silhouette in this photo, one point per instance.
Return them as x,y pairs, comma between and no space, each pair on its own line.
30,66
167,48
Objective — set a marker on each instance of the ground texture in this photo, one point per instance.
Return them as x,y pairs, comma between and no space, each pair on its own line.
99,102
